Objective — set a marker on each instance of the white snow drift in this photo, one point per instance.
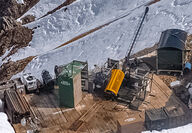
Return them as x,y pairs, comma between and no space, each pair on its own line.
183,129
20,1
42,7
5,126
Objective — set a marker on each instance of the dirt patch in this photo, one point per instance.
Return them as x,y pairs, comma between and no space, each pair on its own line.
153,2
11,68
145,51
189,48
154,47
167,79
189,42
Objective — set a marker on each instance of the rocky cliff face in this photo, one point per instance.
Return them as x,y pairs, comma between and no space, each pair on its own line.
7,23
13,35
14,39
10,68
14,9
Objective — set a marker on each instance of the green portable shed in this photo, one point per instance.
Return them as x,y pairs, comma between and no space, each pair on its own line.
171,51
69,84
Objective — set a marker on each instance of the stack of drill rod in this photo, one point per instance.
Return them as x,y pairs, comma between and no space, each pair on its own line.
16,106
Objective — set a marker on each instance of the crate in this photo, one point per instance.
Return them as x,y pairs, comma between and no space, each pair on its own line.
132,124
176,116
156,119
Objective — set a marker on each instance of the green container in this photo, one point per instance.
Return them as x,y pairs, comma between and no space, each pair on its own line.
69,83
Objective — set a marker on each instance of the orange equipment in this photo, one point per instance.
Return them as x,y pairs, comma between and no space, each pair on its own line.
115,82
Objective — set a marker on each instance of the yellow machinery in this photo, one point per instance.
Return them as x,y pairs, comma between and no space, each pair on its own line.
115,82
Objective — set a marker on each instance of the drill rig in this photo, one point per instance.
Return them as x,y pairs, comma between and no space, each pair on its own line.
125,80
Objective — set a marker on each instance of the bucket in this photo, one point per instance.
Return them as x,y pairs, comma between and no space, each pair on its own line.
188,66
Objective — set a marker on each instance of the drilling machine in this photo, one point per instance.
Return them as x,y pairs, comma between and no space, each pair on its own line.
128,76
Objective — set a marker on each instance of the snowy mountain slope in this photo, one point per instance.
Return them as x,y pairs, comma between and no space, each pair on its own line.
111,41
85,49
42,7
80,17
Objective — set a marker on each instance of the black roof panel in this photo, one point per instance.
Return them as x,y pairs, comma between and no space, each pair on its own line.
173,38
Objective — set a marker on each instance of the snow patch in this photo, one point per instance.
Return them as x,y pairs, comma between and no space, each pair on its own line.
3,56
5,126
42,7
80,17
181,2
183,129
175,83
20,1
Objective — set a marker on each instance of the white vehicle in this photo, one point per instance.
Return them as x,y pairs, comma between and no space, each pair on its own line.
30,82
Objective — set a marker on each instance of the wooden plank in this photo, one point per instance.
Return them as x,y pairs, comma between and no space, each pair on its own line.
57,109
77,89
85,117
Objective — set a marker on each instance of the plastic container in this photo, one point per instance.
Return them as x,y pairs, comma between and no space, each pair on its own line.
188,66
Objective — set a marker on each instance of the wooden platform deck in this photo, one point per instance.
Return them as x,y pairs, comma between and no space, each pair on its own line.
94,115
